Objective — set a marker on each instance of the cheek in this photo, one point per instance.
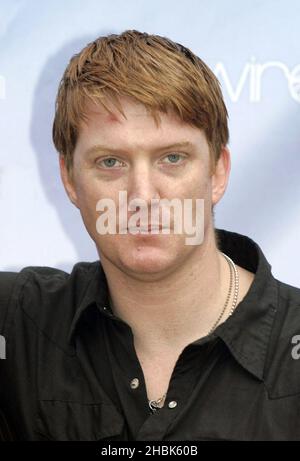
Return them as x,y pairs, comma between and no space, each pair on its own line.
199,187
88,195
89,189
196,186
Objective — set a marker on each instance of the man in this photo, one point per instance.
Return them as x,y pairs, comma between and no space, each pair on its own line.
160,339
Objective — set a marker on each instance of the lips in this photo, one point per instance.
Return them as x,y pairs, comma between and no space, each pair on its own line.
146,230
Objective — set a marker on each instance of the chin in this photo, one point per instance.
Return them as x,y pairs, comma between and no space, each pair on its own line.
143,261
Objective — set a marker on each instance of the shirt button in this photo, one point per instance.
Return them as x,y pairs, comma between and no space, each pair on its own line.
134,383
172,404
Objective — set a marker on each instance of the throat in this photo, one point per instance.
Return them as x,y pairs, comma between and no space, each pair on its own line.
157,373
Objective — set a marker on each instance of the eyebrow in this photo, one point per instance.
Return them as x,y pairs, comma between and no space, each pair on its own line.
100,147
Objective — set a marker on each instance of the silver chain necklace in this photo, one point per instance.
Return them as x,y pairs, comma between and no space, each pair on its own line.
154,404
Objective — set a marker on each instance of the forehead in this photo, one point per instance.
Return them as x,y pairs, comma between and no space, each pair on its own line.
133,112
138,127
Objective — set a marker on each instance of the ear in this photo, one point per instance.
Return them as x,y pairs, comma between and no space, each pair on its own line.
67,180
220,176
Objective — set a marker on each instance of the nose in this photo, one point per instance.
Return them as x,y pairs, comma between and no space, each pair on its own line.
142,183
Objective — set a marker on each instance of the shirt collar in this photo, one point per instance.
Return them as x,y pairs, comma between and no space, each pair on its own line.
96,294
247,331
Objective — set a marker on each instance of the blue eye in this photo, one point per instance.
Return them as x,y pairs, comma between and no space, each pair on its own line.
174,158
108,162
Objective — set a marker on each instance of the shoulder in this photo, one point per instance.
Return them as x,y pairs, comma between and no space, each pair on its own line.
40,280
38,290
282,371
289,293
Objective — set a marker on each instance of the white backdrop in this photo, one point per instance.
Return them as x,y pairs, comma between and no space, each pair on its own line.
254,48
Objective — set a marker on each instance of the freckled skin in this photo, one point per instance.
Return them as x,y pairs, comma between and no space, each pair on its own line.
145,173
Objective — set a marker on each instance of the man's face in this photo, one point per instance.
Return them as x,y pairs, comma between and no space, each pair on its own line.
137,159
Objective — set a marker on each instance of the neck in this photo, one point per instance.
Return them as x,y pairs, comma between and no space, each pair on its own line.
170,313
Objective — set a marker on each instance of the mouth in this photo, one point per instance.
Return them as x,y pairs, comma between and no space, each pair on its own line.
146,230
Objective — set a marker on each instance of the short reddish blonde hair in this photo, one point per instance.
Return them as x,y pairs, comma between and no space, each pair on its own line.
155,71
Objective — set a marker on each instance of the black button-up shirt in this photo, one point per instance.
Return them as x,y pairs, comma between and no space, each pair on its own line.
70,362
